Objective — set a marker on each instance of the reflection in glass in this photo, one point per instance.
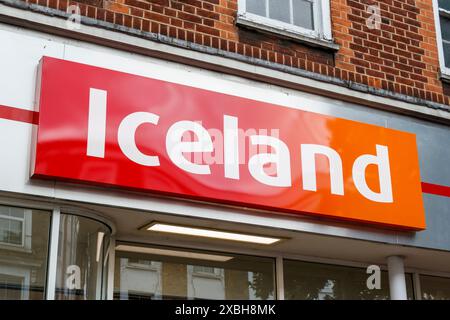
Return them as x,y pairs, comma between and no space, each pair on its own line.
445,30
297,12
148,276
81,270
303,13
24,236
435,288
444,4
280,10
447,54
257,7
314,281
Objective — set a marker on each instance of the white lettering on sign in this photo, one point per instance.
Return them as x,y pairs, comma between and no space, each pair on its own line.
309,152
231,147
126,137
384,175
97,123
278,156
281,157
175,146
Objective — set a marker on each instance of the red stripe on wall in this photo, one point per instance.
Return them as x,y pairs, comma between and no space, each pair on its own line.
17,114
435,189
32,117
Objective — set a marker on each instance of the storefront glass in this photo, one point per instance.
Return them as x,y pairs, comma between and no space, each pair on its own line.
435,288
168,273
82,249
24,236
315,281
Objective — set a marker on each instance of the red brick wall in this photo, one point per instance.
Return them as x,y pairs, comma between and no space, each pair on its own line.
400,57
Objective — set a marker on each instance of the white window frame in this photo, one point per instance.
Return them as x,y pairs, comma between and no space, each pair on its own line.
196,270
152,266
23,273
445,71
22,244
322,21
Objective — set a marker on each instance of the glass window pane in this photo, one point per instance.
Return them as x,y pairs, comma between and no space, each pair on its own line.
447,54
303,14
4,223
257,7
24,254
82,247
444,4
280,10
16,212
445,28
173,276
15,232
435,288
314,281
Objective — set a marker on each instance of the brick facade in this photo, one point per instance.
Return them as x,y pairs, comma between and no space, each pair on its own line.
400,57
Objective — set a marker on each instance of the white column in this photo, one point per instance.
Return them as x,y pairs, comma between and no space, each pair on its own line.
111,265
53,254
280,278
417,288
397,283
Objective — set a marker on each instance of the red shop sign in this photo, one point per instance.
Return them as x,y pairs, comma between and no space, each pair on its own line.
111,128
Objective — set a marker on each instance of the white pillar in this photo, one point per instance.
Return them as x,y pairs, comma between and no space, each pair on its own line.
280,278
397,283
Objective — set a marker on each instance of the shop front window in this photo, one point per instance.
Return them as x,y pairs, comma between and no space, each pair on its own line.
24,240
82,251
435,288
315,281
169,273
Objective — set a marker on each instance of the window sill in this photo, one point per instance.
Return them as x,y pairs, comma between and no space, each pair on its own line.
445,77
14,247
315,42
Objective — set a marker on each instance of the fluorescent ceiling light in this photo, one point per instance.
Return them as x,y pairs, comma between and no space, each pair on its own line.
173,253
200,232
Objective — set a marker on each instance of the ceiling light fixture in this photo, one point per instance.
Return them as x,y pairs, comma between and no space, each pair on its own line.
209,233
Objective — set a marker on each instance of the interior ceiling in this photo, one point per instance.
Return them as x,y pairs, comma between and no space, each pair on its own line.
294,244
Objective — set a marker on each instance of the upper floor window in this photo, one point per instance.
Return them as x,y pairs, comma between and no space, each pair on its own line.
442,17
310,18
